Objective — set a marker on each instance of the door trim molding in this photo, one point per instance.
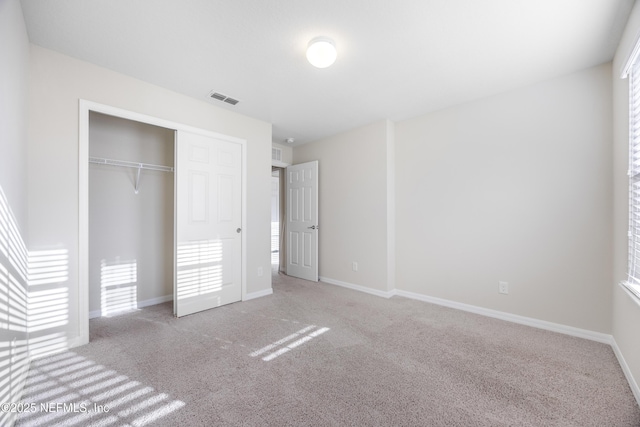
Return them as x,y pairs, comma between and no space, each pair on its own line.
85,107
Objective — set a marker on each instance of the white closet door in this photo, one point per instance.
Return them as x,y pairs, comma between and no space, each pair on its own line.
208,223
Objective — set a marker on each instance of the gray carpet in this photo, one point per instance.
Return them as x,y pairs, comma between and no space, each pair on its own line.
316,354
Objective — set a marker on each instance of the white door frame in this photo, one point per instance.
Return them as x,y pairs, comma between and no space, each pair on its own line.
83,196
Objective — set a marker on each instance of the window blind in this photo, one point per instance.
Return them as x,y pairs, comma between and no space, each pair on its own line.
634,179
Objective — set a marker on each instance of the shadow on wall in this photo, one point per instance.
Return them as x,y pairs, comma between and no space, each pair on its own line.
14,360
200,268
199,272
34,305
118,286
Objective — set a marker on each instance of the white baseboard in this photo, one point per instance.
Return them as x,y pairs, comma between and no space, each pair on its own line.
18,386
383,294
635,389
74,342
528,321
166,298
141,304
259,294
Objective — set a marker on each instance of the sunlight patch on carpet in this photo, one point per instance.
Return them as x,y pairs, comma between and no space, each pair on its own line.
291,346
72,390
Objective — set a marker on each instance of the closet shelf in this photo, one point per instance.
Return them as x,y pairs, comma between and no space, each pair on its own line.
127,164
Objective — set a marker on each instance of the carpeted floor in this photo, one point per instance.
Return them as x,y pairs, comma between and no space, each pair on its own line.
316,354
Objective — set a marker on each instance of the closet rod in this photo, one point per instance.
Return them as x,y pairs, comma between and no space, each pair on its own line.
128,164
134,165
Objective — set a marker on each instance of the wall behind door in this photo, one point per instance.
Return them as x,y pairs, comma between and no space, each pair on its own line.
130,235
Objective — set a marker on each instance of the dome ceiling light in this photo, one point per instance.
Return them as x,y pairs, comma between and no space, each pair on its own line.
321,52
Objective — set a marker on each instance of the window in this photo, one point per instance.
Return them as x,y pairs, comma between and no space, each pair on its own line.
633,281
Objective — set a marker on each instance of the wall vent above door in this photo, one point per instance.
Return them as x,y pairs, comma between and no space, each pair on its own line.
221,97
276,154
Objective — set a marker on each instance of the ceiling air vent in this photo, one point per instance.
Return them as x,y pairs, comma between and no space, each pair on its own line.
276,154
224,98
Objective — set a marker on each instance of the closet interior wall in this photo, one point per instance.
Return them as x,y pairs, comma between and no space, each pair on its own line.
131,236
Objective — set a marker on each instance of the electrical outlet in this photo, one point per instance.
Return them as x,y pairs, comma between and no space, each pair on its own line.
354,266
503,287
260,272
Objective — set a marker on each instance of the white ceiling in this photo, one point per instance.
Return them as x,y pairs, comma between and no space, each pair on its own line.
396,59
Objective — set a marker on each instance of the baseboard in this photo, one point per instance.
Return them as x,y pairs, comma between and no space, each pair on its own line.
15,384
259,294
141,304
383,294
74,342
20,386
166,298
635,389
528,321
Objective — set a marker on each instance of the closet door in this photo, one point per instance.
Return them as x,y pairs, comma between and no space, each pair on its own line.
208,223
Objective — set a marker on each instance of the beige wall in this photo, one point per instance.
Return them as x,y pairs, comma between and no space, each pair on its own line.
515,188
57,83
14,73
353,215
626,310
130,235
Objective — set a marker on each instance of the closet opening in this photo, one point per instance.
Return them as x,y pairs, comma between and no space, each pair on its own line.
131,215
148,259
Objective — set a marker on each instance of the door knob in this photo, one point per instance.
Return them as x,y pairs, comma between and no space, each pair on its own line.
313,227
238,230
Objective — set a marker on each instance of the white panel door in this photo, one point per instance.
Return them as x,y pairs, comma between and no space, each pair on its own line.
208,261
302,220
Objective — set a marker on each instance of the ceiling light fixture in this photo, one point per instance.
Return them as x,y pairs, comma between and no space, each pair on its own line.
321,52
